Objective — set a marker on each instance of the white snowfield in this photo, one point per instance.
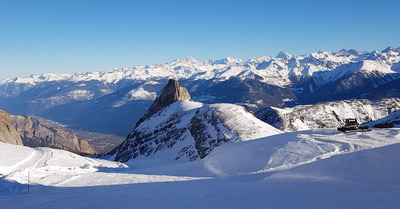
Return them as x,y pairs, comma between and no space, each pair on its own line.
306,169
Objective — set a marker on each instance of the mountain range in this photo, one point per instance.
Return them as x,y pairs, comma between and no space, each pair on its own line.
113,101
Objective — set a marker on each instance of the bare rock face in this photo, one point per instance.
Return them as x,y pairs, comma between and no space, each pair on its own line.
171,93
34,134
8,134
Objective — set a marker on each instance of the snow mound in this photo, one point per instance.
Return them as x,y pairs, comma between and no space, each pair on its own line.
288,150
237,119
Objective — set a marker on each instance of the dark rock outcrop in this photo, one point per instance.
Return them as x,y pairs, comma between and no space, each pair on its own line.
171,93
200,126
8,134
35,134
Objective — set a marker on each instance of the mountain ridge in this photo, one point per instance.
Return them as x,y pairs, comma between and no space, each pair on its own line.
124,95
36,134
115,75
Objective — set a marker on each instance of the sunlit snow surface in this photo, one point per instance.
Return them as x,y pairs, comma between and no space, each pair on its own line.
306,169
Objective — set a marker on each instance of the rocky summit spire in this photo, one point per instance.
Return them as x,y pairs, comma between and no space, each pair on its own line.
171,93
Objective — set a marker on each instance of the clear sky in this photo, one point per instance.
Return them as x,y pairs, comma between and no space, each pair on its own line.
42,36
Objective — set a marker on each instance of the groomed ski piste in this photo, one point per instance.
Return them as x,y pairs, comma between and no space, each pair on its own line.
305,169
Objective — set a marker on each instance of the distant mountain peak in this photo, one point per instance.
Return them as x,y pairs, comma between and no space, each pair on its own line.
227,60
388,49
189,60
346,52
171,93
283,55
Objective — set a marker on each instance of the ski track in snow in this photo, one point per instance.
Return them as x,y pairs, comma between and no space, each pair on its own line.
293,149
326,146
59,168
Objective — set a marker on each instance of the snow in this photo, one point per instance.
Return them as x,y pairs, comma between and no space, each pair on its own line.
136,94
283,55
247,127
392,118
332,114
323,67
80,94
185,107
306,169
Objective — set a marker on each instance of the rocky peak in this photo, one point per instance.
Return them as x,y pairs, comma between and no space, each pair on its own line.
171,93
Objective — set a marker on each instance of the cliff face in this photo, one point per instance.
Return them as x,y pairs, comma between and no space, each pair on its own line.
8,134
171,93
35,134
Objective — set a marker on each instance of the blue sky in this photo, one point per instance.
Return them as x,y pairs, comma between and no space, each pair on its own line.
42,36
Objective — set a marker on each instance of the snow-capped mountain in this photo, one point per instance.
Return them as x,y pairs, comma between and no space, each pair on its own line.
178,128
328,114
112,101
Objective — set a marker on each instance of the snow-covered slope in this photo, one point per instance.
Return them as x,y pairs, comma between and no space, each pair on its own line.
313,169
289,150
190,130
392,120
328,114
45,166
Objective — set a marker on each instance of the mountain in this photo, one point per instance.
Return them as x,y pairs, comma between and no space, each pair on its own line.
35,134
328,114
188,130
113,101
8,134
